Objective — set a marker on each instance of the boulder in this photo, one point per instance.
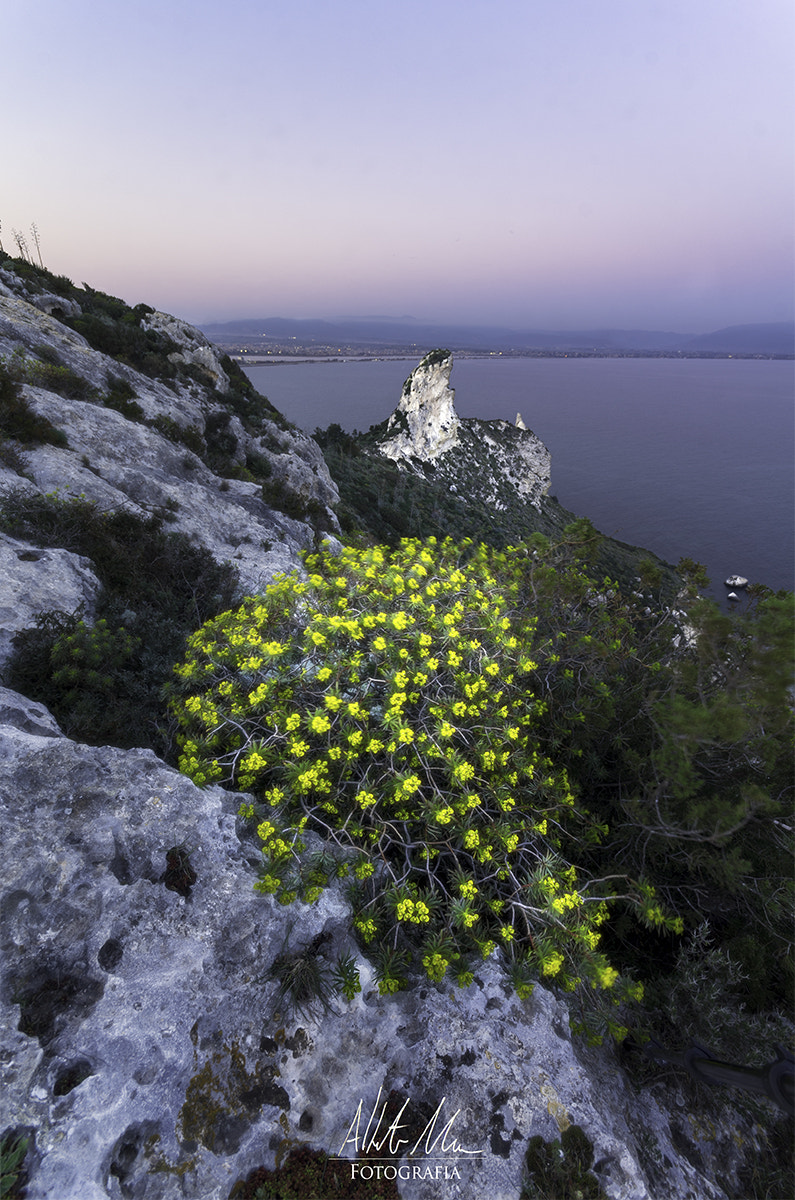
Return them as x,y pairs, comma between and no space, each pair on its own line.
146,1054
37,581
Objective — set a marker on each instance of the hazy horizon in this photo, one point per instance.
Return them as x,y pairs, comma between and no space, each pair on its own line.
517,163
377,318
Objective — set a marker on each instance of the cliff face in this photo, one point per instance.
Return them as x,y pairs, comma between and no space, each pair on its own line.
425,423
493,461
143,1052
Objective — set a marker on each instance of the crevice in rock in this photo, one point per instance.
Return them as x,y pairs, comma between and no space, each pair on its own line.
126,1152
71,1076
50,995
179,876
120,866
110,954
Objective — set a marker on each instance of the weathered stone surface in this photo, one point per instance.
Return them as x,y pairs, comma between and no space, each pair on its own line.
143,1048
299,464
36,581
425,423
194,348
19,713
118,462
493,461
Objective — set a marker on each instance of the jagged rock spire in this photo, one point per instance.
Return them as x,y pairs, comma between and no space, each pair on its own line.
425,423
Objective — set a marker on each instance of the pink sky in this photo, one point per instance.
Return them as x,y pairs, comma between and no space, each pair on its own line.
546,163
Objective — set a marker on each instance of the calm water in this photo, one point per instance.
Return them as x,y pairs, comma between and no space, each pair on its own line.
687,457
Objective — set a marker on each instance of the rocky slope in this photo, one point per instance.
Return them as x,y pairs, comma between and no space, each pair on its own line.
143,1053
145,444
144,1049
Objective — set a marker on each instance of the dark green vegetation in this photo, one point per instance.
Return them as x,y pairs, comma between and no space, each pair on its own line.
380,501
308,979
13,1175
103,681
560,1170
312,1175
19,424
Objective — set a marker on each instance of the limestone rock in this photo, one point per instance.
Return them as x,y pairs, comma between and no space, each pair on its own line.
194,348
133,463
36,581
19,713
493,461
425,423
299,465
142,1049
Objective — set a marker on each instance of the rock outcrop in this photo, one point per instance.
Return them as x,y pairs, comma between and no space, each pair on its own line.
143,1052
493,461
152,452
38,580
425,423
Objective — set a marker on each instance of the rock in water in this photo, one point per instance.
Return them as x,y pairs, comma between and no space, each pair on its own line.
425,423
492,461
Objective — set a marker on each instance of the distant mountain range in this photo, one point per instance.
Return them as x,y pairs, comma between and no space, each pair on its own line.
404,333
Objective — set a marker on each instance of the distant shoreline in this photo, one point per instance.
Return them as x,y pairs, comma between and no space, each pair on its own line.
308,355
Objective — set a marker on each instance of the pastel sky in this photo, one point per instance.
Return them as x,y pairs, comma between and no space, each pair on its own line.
534,163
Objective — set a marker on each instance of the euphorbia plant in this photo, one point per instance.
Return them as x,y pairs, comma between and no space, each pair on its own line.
384,700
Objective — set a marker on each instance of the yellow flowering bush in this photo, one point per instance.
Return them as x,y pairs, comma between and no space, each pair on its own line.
385,701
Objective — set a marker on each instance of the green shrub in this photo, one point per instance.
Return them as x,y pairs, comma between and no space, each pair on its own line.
18,421
182,435
387,703
13,1174
559,1170
105,684
122,397
59,379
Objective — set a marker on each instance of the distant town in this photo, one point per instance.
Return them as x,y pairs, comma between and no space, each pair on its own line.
294,350
281,339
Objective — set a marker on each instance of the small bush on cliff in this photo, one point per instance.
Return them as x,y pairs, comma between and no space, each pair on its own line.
104,683
18,421
497,748
387,702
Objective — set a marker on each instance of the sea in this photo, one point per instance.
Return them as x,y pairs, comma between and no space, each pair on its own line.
686,457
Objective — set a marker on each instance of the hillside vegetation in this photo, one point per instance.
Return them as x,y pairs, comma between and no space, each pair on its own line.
502,735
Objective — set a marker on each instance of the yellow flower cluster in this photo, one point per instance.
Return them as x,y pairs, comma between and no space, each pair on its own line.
386,697
435,966
415,911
